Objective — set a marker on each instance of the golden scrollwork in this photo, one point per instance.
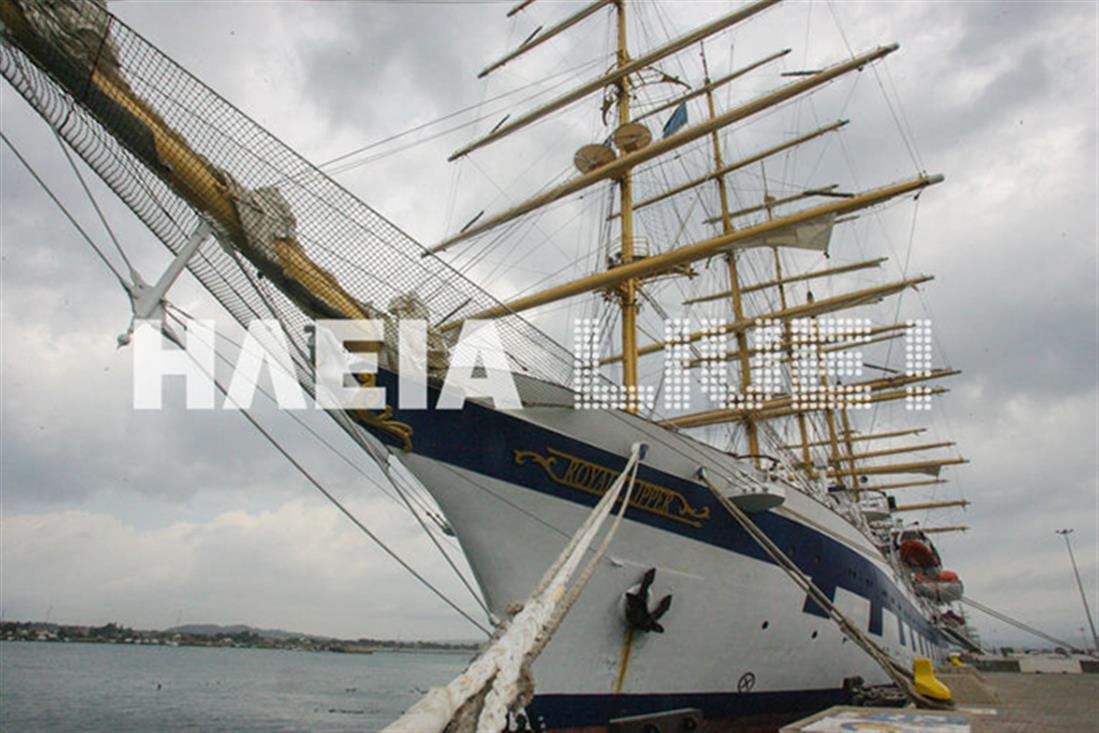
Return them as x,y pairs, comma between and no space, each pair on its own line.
576,473
382,421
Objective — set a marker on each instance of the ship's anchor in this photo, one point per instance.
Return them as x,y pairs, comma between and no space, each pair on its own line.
638,614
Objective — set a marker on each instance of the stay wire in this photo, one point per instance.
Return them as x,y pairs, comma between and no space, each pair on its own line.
95,205
346,164
268,436
171,336
404,502
53,197
312,431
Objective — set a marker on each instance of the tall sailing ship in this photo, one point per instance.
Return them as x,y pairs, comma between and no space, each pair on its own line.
681,224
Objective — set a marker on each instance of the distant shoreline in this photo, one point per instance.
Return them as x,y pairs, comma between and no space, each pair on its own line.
385,650
214,636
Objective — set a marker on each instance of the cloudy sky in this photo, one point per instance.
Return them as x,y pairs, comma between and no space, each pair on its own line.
152,518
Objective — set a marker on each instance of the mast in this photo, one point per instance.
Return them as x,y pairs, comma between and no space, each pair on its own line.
849,445
751,428
616,75
931,505
926,467
780,284
627,290
902,485
737,165
859,437
938,530
623,163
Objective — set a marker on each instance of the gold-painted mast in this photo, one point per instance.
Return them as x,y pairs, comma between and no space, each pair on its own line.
931,467
627,289
617,74
904,449
737,165
938,530
721,415
931,505
617,167
699,250
741,337
769,203
857,437
539,38
805,310
802,421
848,444
812,275
831,348
709,86
902,485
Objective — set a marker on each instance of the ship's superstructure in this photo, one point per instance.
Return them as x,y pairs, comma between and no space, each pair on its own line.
778,368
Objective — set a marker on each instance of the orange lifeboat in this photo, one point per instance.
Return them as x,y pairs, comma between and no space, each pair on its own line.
918,554
943,587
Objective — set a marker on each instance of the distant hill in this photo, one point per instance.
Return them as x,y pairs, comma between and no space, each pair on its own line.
219,630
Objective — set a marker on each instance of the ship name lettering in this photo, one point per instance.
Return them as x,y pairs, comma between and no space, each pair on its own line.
576,473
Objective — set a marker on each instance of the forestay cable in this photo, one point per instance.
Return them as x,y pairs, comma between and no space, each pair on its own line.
268,436
65,211
404,501
171,336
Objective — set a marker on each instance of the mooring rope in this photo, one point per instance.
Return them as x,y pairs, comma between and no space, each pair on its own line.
498,679
900,675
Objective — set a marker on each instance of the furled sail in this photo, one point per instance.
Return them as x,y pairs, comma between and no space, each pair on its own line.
811,235
294,244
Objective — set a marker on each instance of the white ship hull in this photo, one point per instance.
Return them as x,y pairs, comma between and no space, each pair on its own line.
741,641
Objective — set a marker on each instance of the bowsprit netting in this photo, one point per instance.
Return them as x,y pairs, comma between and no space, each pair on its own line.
292,243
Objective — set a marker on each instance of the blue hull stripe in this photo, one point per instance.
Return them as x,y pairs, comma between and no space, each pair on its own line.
484,441
576,711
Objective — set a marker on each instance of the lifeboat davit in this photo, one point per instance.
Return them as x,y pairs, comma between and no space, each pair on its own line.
918,554
944,587
949,618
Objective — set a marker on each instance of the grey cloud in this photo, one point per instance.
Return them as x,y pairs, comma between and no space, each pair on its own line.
1010,237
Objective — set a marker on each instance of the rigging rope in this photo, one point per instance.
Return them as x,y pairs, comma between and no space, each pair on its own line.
499,678
95,204
1016,623
897,673
267,435
316,484
332,168
49,192
403,502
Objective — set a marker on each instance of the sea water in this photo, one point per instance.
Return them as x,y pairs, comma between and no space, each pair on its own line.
104,688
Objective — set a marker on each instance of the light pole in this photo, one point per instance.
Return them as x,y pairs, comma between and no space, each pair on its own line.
1083,596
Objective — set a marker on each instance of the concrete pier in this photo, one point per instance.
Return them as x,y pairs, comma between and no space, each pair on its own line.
987,702
1050,703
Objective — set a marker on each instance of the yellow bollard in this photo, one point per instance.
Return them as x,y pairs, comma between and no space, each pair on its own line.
926,684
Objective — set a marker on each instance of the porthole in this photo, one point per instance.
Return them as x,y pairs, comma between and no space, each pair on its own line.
765,624
813,635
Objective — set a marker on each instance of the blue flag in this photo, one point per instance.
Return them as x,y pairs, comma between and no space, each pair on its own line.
677,120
